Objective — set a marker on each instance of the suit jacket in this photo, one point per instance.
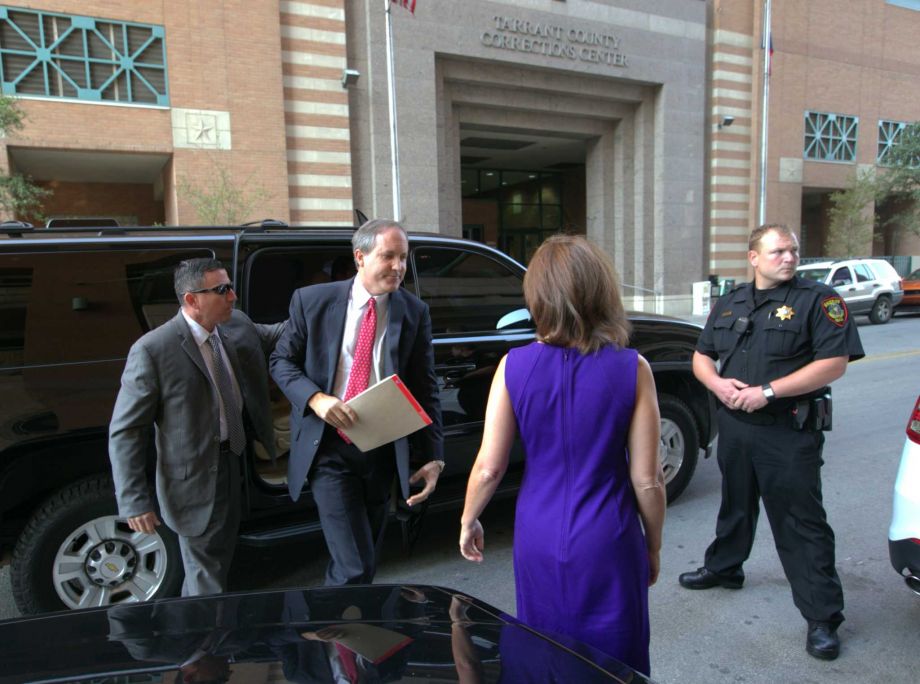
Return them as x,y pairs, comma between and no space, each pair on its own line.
166,385
305,359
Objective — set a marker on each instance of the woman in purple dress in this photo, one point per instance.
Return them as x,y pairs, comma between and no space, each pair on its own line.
591,507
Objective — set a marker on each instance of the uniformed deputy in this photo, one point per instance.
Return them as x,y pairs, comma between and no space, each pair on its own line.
780,341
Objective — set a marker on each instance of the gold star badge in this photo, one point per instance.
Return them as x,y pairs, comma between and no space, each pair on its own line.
784,313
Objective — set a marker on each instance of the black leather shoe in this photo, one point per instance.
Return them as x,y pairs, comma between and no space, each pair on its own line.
704,579
822,641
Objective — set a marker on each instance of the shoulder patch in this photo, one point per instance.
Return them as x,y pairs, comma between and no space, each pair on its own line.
835,310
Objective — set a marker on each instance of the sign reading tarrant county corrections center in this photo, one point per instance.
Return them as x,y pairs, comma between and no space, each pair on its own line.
540,38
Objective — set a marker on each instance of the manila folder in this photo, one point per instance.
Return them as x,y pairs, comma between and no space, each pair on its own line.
386,411
371,642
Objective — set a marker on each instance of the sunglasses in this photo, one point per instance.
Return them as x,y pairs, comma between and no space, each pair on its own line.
221,289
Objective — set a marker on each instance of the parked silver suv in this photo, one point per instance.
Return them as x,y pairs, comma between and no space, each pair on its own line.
868,286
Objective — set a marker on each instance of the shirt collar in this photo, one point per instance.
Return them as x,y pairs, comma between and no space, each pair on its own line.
359,295
198,332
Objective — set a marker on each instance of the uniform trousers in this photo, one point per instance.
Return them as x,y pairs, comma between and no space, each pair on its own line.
207,557
352,492
782,466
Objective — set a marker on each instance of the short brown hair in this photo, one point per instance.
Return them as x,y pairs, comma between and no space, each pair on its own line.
572,292
760,231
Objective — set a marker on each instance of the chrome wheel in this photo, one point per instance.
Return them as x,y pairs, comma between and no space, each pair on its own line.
105,562
678,447
671,449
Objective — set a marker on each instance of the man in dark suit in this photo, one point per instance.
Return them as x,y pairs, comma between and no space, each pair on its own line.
342,337
198,380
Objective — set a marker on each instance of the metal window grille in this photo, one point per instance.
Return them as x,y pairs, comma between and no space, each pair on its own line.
830,137
75,57
889,134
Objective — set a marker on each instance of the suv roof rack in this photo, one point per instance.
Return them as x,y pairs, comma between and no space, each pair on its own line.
81,222
263,224
16,228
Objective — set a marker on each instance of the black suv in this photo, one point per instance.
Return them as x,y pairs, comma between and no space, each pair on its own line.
72,302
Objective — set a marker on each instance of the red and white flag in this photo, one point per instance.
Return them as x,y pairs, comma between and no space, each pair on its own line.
408,4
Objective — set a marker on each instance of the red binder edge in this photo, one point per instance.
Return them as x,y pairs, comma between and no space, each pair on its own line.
398,647
412,400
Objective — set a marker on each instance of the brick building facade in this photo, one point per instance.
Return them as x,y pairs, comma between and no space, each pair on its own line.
639,126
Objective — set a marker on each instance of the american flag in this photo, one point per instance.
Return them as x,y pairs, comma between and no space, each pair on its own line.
408,4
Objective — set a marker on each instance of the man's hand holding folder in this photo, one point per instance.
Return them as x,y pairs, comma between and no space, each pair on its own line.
384,413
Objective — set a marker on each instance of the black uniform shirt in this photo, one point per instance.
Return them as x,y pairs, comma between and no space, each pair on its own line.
797,322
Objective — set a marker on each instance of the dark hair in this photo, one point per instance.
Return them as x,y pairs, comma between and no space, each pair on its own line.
760,231
365,237
189,274
572,292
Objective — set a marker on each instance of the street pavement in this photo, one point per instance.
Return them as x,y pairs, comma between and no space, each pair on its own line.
753,635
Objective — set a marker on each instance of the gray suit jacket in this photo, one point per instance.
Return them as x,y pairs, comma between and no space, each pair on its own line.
307,355
166,386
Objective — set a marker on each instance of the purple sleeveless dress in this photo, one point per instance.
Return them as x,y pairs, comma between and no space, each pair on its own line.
580,562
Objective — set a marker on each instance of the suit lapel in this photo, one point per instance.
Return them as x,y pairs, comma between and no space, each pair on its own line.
189,346
396,315
335,334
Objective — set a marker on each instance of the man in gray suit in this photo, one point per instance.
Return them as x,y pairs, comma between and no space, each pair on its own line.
315,366
197,380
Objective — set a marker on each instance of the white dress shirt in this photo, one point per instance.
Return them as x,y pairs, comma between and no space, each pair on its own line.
201,339
357,305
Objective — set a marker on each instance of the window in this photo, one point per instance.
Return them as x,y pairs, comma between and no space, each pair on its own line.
842,277
889,134
906,4
529,205
830,137
863,274
274,274
105,300
15,287
468,292
889,137
75,57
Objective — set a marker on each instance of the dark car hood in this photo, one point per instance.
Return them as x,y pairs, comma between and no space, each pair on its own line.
402,633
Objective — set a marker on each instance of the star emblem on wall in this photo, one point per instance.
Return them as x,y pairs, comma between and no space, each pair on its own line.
202,130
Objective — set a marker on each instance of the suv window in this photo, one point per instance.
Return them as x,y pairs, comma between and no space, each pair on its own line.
863,273
274,273
104,300
15,287
816,274
466,291
841,277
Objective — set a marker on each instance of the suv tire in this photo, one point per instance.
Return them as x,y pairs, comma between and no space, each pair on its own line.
679,446
881,310
78,536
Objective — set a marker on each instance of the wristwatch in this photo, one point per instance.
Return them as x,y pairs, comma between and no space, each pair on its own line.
441,465
768,393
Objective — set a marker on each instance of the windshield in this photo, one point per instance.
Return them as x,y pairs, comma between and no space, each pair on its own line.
914,276
816,274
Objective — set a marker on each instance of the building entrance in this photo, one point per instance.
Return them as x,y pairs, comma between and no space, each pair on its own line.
518,189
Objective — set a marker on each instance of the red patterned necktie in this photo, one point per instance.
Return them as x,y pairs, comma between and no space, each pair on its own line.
363,356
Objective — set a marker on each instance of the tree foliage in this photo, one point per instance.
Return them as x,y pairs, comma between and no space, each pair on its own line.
19,196
898,181
219,200
874,202
852,219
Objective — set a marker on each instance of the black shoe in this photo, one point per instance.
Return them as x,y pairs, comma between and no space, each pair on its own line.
822,641
704,579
